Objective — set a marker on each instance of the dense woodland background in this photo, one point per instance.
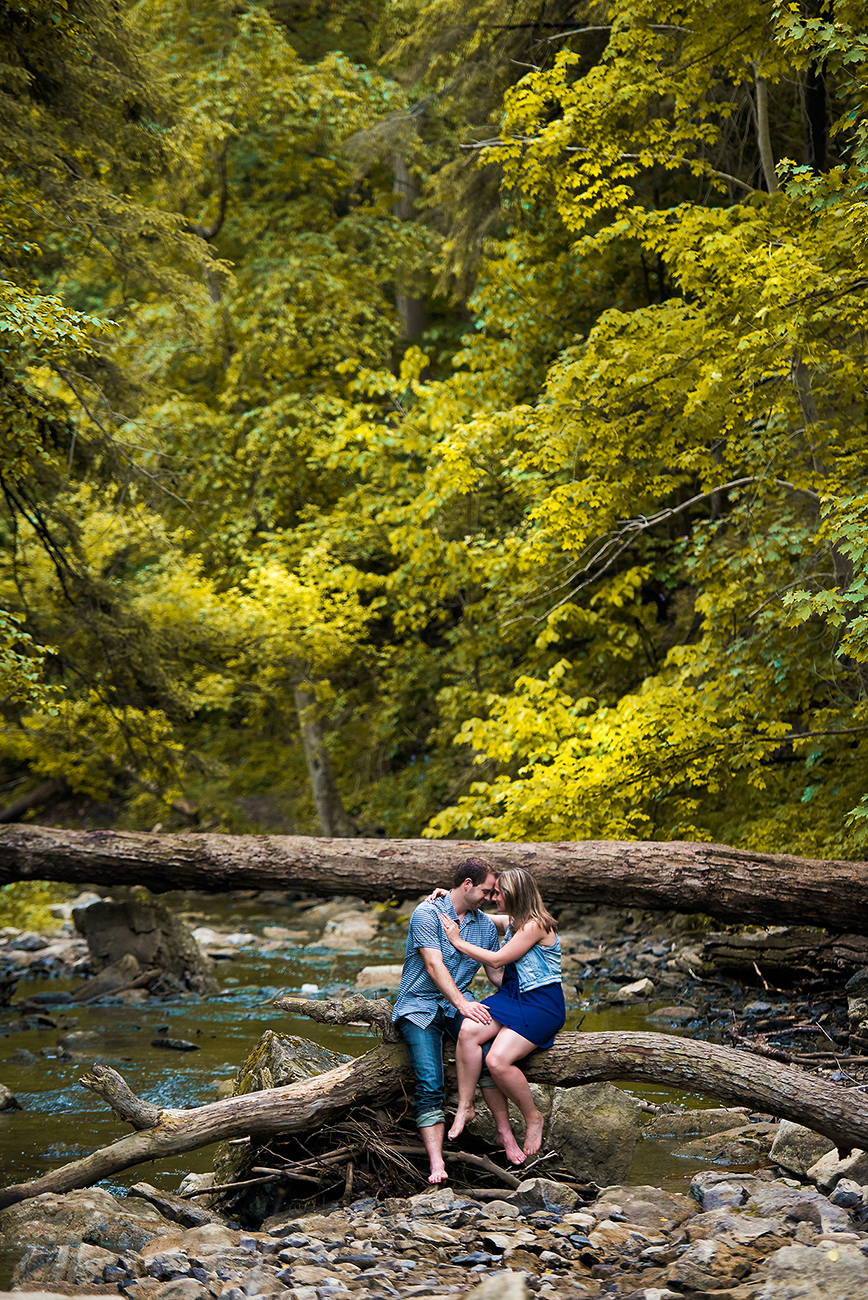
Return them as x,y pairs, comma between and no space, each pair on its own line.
441,418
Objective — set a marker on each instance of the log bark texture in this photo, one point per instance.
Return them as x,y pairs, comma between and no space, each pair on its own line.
780,949
788,1092
728,883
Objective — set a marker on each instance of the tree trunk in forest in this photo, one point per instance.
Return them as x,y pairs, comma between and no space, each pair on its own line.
333,817
816,117
763,131
840,1114
732,884
406,191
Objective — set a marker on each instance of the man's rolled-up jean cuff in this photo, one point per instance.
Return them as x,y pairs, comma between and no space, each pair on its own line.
429,1117
486,1081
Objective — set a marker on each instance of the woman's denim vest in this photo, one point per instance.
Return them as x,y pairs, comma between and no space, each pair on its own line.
538,966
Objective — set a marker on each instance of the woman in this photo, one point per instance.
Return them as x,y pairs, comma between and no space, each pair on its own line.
527,1010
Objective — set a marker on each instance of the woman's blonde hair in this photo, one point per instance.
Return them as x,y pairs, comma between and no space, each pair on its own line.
522,900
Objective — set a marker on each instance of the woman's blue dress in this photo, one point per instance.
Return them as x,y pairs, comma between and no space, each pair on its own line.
537,1014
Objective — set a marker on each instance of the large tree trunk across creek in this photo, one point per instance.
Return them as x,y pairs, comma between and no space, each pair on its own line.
732,1076
732,884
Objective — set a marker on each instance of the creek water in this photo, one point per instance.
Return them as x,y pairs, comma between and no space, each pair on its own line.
59,1121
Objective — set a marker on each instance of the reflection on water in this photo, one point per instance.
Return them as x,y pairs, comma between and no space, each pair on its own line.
61,1121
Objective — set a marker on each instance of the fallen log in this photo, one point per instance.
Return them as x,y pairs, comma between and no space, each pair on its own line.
732,884
730,1075
782,951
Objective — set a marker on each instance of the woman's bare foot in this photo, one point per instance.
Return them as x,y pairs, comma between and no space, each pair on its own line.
533,1134
438,1172
513,1151
463,1115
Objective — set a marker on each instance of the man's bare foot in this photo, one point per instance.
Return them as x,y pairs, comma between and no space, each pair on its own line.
438,1172
513,1151
533,1134
463,1116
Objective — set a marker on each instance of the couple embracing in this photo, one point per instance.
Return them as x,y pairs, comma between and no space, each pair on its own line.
448,940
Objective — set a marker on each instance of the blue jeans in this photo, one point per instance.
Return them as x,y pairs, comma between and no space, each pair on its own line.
426,1056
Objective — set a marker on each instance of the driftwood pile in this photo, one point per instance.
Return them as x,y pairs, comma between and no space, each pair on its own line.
371,1153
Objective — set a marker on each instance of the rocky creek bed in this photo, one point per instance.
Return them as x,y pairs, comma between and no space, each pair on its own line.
757,1209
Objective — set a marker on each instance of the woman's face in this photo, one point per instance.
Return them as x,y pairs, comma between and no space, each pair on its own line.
498,899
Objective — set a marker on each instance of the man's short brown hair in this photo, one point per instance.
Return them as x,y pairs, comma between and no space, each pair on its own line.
475,870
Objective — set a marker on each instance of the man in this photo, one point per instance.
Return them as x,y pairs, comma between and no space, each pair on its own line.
432,1001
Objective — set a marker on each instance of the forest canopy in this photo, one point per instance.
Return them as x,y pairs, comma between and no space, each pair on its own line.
436,418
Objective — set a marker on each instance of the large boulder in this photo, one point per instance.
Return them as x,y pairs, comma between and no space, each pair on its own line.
276,1060
595,1128
146,930
91,1216
81,1266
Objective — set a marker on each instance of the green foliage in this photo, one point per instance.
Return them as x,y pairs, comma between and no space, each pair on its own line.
740,395
605,524
24,906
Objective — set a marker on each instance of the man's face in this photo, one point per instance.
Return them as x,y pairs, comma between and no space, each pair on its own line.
476,895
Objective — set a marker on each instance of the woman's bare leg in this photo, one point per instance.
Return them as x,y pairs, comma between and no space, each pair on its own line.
468,1061
508,1048
499,1107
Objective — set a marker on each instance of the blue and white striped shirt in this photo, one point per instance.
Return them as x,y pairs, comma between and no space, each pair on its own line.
418,996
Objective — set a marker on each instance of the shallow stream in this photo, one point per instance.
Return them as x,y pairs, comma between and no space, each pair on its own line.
60,1121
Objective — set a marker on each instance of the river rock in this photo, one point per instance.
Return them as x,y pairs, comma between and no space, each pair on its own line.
595,1129
150,933
334,910
506,1285
544,1194
207,1239
797,1148
830,1168
648,1207
694,1123
80,1265
735,1146
848,1194
64,911
379,977
8,1100
346,933
752,1196
643,988
799,1272
114,976
638,1243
